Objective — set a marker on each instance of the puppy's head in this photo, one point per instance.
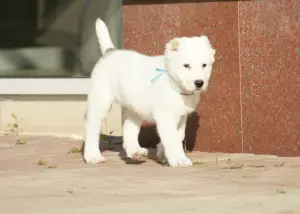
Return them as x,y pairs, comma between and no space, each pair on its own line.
189,62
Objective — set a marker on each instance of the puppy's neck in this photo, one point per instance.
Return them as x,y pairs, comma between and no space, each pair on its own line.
176,87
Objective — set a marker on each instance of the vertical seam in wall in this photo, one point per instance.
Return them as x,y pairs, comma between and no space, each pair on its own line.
179,20
240,72
162,27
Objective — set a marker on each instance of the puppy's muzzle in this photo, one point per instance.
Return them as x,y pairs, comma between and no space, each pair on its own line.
199,83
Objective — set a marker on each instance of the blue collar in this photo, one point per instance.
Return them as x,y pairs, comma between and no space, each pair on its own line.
163,71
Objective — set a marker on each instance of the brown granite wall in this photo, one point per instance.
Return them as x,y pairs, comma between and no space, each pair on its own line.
270,68
252,104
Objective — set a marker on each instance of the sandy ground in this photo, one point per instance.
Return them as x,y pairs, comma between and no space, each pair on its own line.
41,176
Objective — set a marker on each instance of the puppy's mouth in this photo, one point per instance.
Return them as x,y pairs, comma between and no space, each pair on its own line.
197,90
185,88
191,90
194,91
201,89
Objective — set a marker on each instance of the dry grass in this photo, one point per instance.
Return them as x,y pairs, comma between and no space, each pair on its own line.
235,166
279,165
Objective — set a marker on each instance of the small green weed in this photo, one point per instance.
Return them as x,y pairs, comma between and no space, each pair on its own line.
235,166
107,138
75,150
281,191
41,162
70,191
229,161
14,128
21,142
197,163
256,166
249,176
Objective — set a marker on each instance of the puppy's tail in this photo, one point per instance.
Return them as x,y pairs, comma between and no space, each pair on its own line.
103,36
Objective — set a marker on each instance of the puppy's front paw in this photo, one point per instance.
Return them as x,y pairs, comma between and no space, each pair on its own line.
93,157
175,160
137,154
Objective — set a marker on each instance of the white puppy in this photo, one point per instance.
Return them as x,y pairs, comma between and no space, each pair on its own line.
162,89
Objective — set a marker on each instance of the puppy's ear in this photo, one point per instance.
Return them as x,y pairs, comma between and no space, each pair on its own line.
205,40
173,45
214,51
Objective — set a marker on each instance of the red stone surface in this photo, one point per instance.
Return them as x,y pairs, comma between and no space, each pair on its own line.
148,27
251,104
270,64
219,110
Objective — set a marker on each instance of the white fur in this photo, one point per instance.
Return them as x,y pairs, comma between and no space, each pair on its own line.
125,76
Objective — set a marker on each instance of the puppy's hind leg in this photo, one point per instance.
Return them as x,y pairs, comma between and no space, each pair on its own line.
99,102
131,129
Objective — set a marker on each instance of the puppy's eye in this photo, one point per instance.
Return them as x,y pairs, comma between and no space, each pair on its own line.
187,66
203,65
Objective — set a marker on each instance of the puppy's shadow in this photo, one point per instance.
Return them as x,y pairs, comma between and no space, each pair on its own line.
148,138
114,144
192,127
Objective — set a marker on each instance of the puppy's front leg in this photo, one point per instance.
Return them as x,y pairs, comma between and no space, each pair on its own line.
181,132
171,140
182,127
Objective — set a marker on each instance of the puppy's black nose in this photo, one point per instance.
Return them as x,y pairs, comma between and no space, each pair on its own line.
199,83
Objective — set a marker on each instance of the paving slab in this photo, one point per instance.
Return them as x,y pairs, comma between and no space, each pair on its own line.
47,175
